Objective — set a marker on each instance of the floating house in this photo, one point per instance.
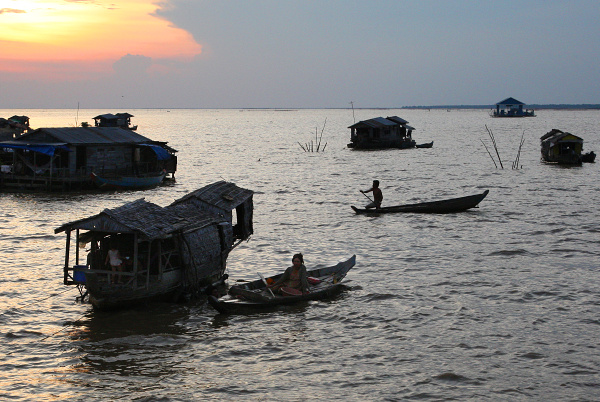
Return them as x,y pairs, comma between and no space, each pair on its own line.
166,252
389,132
13,127
510,107
122,120
561,147
65,158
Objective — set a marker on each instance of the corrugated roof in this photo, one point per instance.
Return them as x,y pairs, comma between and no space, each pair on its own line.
556,135
397,119
224,195
379,122
87,135
510,101
110,116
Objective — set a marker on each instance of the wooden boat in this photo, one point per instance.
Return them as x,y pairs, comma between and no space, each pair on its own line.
589,157
427,145
127,182
432,207
253,296
166,252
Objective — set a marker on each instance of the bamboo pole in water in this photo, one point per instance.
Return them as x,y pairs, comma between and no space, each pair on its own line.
489,153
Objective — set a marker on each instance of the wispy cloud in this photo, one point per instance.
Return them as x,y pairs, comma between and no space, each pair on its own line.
11,11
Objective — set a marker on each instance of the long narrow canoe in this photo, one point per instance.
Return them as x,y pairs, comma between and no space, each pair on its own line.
254,296
433,207
127,182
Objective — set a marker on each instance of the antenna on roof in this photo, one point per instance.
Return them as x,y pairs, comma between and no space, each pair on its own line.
352,103
77,115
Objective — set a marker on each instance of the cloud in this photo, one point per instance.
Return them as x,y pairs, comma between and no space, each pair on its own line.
11,11
132,65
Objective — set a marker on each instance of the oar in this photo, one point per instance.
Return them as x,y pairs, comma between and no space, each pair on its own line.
266,284
368,197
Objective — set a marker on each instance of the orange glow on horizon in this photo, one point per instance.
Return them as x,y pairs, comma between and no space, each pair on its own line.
58,31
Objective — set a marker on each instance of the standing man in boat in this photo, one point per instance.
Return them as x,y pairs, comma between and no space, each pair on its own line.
377,195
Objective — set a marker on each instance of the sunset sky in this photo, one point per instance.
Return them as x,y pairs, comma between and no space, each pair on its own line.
296,53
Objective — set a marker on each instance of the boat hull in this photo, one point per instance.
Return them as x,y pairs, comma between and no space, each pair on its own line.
127,182
108,296
373,144
427,145
253,296
437,207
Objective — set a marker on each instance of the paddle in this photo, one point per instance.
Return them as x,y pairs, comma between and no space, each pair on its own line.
266,284
362,192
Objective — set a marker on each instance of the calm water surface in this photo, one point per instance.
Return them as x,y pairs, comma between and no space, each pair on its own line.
497,303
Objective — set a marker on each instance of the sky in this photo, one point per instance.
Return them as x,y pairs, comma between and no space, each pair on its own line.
123,54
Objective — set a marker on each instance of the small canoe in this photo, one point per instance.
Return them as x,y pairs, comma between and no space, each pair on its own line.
432,207
254,296
127,182
427,145
590,157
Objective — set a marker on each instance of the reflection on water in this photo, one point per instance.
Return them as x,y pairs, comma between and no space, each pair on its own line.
500,301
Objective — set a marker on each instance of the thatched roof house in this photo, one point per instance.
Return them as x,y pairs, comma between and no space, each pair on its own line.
180,246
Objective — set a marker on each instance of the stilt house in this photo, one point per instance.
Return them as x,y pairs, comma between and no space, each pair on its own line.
164,251
64,158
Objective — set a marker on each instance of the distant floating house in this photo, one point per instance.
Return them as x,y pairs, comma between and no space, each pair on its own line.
389,132
122,120
561,147
65,158
13,127
510,107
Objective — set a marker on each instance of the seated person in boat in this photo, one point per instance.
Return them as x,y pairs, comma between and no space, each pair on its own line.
377,195
294,277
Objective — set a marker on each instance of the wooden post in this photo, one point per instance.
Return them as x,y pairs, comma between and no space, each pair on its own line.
66,269
76,246
148,264
160,265
135,260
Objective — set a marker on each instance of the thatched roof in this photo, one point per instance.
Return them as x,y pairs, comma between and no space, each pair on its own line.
145,218
222,195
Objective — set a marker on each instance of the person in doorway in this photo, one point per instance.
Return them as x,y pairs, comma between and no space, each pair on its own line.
377,195
113,257
294,277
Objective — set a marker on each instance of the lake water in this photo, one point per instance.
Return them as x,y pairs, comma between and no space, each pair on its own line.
496,303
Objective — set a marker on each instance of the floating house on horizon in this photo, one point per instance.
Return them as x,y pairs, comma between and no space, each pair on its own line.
13,127
510,107
122,120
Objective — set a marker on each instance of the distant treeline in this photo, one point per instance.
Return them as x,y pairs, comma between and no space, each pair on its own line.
532,106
